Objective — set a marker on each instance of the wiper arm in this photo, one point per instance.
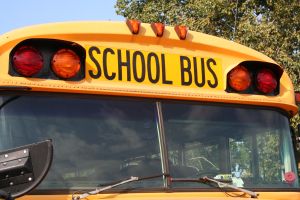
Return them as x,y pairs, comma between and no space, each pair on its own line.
219,183
121,182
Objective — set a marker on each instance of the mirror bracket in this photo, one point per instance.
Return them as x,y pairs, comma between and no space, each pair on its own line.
23,168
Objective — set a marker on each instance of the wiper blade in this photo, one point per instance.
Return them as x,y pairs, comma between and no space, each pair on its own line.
221,184
121,182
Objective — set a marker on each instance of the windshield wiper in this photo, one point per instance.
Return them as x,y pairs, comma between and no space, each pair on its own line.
121,182
219,184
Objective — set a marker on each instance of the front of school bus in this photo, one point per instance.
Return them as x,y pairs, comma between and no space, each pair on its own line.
140,111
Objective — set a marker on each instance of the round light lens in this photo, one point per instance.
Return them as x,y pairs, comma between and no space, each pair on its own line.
65,63
239,78
27,61
266,81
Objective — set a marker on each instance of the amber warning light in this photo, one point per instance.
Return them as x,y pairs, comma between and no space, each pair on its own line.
239,78
65,63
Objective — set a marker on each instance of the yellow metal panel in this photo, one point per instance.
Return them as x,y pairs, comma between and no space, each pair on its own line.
116,35
152,68
173,196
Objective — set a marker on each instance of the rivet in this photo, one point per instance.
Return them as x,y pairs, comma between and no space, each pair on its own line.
11,183
20,160
4,164
29,179
25,151
6,156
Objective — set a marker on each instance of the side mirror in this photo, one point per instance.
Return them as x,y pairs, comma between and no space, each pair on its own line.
23,168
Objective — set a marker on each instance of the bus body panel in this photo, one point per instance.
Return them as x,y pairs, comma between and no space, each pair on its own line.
117,36
172,196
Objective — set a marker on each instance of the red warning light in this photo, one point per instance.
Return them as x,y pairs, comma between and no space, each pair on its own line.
27,61
266,81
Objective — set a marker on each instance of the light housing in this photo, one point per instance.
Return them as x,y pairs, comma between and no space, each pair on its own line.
256,77
65,63
48,49
27,61
239,78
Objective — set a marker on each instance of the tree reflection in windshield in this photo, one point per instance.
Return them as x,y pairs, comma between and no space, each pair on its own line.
249,146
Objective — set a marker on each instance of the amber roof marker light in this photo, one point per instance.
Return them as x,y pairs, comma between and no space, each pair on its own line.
181,31
158,28
133,25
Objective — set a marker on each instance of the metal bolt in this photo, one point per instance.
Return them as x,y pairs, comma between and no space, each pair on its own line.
20,160
7,176
29,179
22,172
6,156
4,164
11,183
25,151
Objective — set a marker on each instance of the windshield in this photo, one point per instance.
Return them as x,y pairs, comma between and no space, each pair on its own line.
100,140
251,147
95,140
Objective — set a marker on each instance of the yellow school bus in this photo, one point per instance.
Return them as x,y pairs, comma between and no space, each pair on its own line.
147,111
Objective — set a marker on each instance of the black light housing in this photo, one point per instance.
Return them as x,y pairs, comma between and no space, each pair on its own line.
264,78
36,56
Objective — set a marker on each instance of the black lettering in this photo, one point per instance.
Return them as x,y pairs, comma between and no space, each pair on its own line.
135,56
163,68
185,69
156,78
105,72
98,74
202,72
124,64
208,62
